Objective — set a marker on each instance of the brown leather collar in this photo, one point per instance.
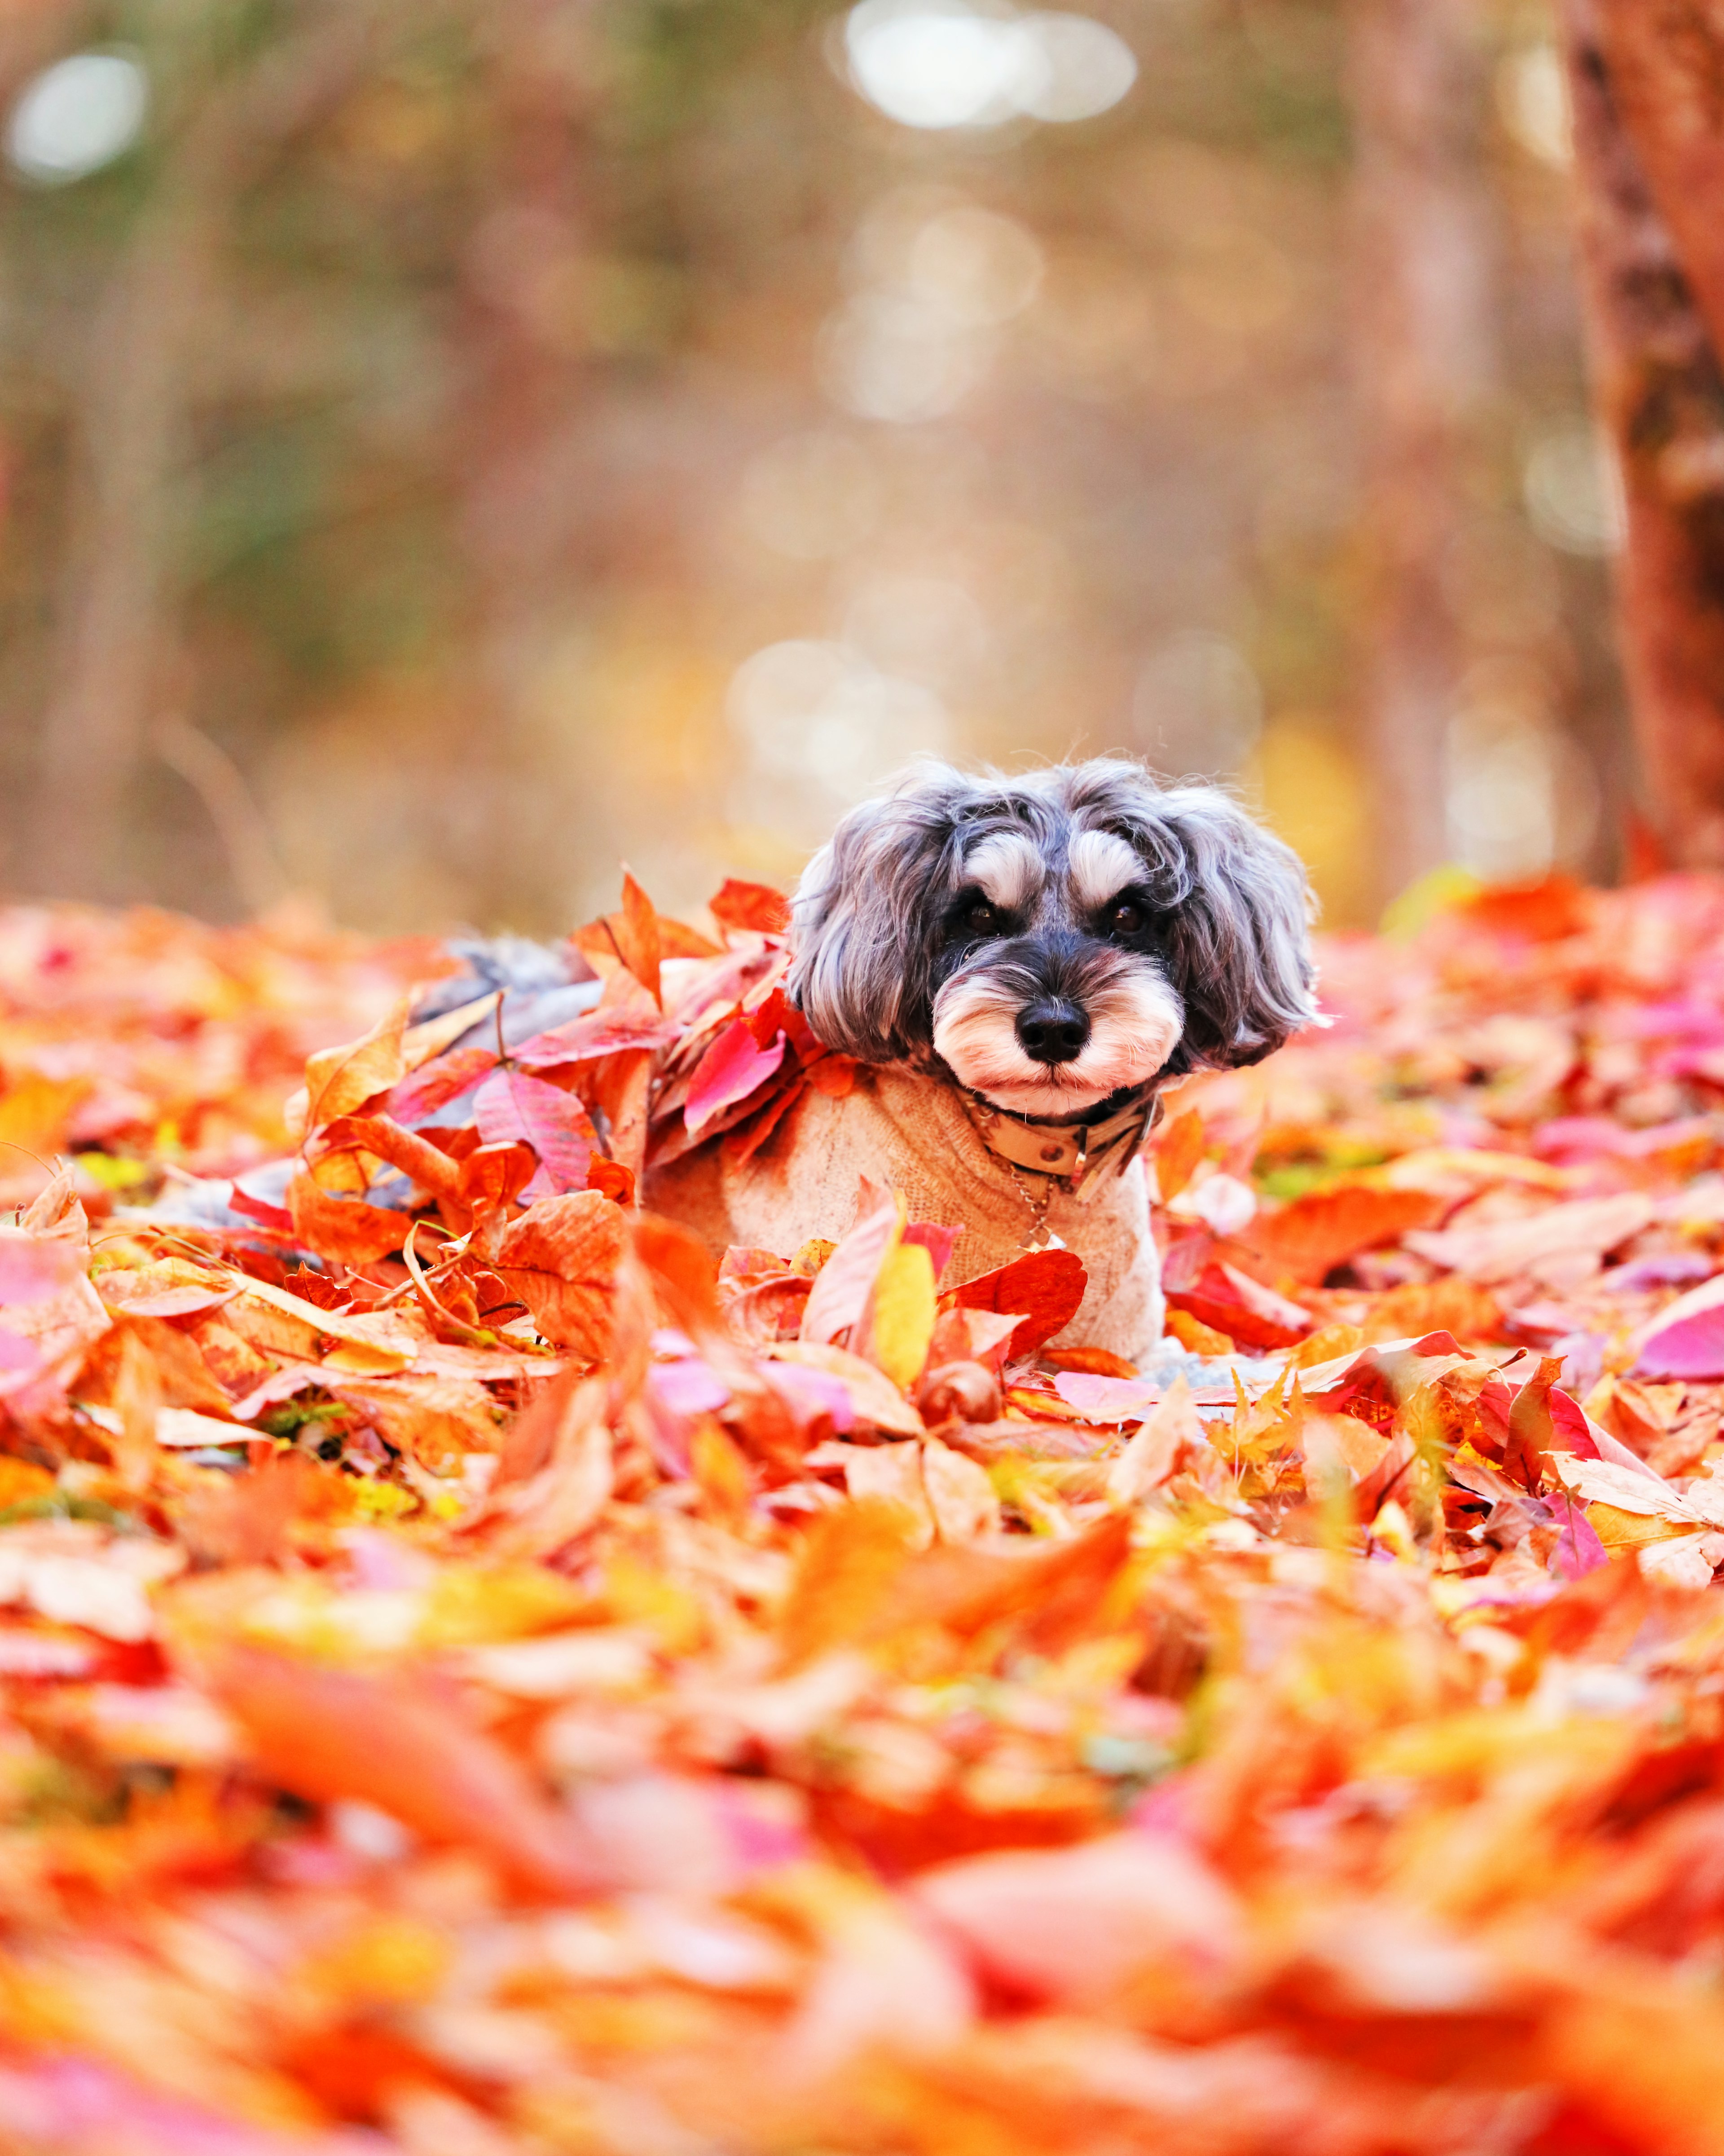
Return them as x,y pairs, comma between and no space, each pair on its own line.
1079,1153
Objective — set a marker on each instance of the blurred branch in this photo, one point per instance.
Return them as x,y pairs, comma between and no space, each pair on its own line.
219,783
1649,147
1421,357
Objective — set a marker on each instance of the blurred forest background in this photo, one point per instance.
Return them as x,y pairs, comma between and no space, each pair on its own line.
450,445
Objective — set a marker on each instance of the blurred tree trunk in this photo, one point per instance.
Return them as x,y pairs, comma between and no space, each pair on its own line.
94,727
1421,344
533,532
130,414
1648,86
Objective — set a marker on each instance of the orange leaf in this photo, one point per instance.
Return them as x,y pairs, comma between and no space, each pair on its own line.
1176,1154
344,1228
612,1180
638,943
416,1156
340,1079
332,1733
560,1258
750,906
1326,1228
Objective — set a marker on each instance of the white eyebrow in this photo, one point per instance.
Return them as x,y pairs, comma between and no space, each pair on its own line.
1008,867
1101,866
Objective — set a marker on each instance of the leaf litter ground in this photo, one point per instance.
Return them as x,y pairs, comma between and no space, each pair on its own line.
477,1682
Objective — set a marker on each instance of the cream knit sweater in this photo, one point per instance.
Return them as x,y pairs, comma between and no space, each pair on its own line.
910,1132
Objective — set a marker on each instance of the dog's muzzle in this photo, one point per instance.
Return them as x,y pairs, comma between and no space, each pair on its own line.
1053,1030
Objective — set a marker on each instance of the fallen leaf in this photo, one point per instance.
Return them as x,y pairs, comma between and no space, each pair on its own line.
755,905
512,1107
1154,1450
1308,1239
561,1257
732,1068
903,1309
1044,1290
343,1229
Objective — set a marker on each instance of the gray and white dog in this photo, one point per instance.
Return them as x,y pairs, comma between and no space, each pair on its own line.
1021,964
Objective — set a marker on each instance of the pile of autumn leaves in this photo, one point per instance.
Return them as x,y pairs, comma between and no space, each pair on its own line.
477,1680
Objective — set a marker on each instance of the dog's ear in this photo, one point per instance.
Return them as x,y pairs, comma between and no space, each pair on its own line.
1238,912
862,921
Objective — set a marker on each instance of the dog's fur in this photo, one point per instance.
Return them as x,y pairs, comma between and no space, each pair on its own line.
1058,944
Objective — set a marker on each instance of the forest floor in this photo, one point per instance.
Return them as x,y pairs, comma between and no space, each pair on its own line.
473,1682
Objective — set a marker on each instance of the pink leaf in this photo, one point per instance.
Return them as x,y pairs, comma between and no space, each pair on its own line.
31,1267
510,1107
1569,1423
16,1352
844,1283
598,1033
437,1083
728,1072
937,1241
1108,1399
1687,1339
1579,1550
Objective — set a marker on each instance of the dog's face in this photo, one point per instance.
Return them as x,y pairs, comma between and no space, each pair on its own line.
1055,940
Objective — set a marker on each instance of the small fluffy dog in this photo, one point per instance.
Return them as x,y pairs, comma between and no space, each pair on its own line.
1021,964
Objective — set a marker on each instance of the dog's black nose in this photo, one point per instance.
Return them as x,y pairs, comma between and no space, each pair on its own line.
1052,1030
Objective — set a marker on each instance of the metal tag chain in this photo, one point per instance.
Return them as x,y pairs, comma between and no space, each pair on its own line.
1042,1237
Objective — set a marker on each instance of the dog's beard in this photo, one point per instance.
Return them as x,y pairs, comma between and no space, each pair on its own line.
1136,1020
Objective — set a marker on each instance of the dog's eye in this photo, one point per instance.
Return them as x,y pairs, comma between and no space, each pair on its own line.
982,919
1125,918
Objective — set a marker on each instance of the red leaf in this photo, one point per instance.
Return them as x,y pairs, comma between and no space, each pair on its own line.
254,1209
437,1083
1233,1303
1044,1289
599,1033
512,1107
745,1141
728,1072
750,906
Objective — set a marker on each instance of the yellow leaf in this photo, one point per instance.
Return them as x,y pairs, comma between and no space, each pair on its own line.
904,1309
388,1961
470,1604
35,1111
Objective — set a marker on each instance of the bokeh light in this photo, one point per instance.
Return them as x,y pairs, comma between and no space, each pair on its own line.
941,63
77,116
1574,490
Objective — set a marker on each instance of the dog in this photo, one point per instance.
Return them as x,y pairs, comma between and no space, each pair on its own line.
1020,965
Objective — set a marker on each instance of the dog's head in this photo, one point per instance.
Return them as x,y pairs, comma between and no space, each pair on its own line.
1055,939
